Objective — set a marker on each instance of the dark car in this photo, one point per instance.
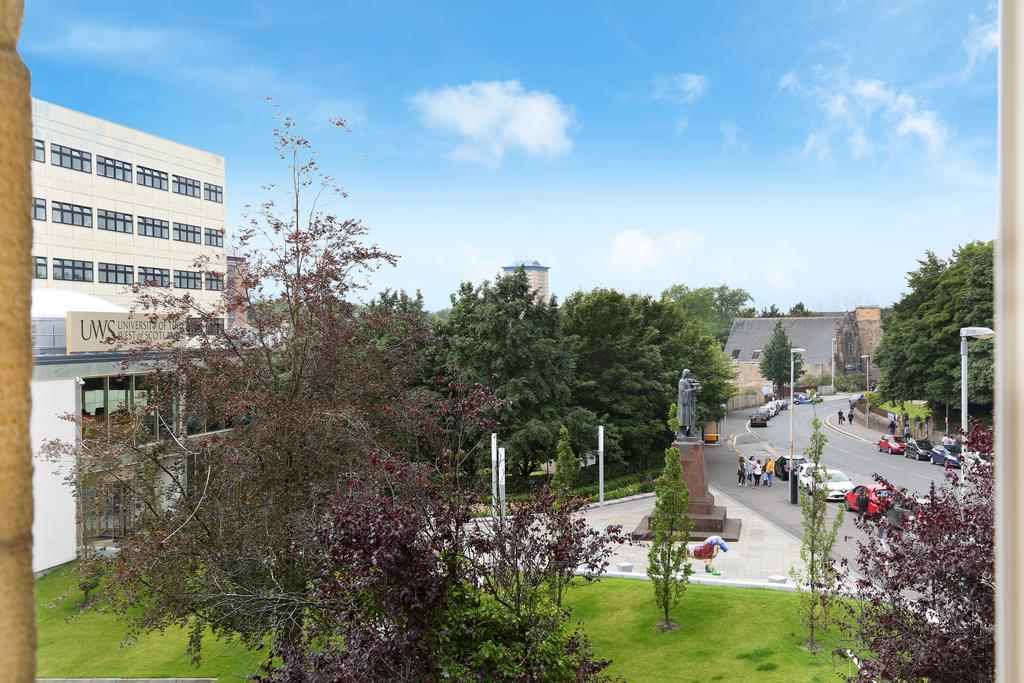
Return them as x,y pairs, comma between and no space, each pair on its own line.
782,465
759,418
919,449
947,456
868,498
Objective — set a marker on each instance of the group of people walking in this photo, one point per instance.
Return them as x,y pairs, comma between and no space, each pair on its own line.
750,472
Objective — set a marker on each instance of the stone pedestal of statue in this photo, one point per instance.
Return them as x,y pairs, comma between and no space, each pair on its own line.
708,519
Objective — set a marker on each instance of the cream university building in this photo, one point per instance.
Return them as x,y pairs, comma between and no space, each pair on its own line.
112,207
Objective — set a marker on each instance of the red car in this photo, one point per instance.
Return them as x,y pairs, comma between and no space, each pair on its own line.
869,498
893,445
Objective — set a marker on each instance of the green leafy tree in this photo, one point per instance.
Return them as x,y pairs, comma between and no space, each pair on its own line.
771,312
567,465
798,310
715,308
817,581
920,351
775,359
500,332
629,353
666,560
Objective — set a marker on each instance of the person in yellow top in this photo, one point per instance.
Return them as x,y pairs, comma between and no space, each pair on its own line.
769,472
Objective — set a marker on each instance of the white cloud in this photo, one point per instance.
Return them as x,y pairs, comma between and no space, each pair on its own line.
981,41
494,117
635,251
789,81
169,55
731,135
866,113
682,88
103,40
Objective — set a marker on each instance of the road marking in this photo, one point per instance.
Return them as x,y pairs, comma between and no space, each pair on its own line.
844,432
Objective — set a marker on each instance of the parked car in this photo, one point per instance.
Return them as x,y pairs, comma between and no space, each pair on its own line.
969,460
783,405
782,465
919,449
773,409
893,445
758,418
867,498
947,456
836,483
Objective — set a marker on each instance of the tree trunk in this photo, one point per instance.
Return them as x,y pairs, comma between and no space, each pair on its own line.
17,599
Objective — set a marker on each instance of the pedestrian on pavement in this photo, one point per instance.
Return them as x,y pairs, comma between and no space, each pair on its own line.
757,473
906,432
841,418
707,550
750,471
892,426
742,472
769,472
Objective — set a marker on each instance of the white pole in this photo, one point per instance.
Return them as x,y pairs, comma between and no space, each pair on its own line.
794,490
494,474
600,465
501,481
963,384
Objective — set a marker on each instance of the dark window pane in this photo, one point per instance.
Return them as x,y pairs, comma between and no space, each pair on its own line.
67,157
154,277
187,279
214,238
183,232
153,227
151,178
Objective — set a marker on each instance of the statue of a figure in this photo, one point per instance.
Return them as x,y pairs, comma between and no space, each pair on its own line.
686,410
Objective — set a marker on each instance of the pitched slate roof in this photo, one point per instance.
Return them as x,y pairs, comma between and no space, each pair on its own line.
814,334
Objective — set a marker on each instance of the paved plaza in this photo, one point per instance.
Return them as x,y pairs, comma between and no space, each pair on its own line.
764,550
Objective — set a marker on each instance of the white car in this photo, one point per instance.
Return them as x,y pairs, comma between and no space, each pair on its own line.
835,482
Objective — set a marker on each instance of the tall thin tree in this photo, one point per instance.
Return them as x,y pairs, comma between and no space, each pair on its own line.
666,560
816,581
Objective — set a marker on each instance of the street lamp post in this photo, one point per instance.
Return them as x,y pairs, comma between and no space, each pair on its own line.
794,489
867,373
976,333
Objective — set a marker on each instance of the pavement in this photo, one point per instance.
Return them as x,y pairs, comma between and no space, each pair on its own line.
763,550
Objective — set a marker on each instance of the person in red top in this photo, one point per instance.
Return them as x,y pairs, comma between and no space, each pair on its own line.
707,550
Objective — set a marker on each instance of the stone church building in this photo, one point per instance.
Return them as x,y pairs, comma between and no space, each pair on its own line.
843,336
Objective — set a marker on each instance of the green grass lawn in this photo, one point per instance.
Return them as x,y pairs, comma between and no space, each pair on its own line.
89,645
913,408
725,634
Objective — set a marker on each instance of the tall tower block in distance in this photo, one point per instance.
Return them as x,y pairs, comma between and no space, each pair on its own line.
535,273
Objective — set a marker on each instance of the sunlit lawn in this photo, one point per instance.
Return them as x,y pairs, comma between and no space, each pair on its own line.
89,644
726,634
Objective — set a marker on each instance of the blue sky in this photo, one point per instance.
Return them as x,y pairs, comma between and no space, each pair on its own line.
799,150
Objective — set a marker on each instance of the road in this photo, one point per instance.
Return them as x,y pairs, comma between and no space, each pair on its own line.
857,459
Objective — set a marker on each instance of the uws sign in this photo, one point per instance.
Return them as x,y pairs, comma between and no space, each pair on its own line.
122,331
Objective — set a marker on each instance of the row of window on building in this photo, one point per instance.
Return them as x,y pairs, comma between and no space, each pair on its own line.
77,160
115,221
73,270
